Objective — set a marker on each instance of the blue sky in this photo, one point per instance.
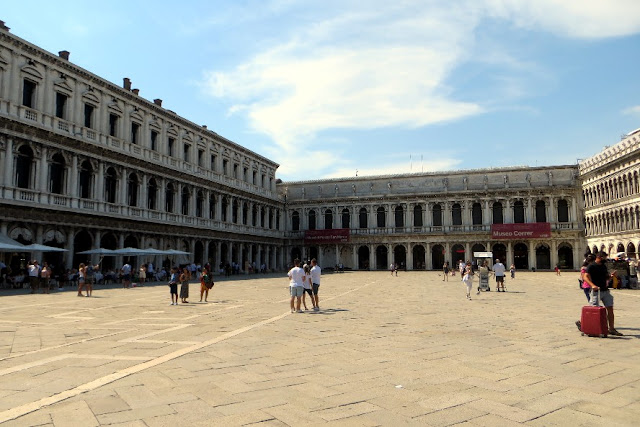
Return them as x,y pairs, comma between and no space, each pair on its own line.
328,88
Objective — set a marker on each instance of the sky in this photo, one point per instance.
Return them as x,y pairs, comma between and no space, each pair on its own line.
339,88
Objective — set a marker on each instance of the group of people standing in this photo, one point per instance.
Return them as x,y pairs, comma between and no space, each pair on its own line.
467,273
302,281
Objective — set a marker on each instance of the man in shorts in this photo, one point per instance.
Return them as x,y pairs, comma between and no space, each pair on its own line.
126,275
296,287
597,276
498,269
315,283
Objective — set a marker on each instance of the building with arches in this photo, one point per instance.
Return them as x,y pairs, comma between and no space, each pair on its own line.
531,217
88,164
611,192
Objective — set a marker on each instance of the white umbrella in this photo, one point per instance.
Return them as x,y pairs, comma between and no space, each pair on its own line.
98,251
36,247
9,245
175,252
137,252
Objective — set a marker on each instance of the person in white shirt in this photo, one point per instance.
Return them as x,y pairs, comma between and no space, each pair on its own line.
296,287
315,283
34,275
498,269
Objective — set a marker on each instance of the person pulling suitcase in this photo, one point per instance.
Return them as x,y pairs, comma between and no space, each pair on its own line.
597,276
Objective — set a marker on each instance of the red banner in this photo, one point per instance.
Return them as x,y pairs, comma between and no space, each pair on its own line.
339,235
533,230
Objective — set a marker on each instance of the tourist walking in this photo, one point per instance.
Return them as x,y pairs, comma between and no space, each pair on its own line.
296,288
184,285
173,286
142,274
316,272
90,277
126,275
512,270
306,285
445,271
45,276
597,276
498,270
467,279
33,269
206,282
82,277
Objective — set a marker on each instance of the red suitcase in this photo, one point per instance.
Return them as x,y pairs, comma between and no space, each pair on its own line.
593,321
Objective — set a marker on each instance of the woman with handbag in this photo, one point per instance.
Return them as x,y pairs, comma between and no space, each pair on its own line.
206,282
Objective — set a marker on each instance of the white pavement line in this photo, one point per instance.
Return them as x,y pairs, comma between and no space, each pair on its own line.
32,364
62,345
154,333
18,411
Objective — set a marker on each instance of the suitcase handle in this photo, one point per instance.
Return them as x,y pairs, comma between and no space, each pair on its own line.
598,299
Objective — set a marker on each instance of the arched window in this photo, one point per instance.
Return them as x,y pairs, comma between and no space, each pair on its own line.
199,204
245,213
132,190
563,211
86,180
295,221
498,217
212,206
399,216
381,217
169,198
110,185
56,174
346,218
328,219
456,214
476,214
417,216
518,212
234,212
152,194
24,164
362,217
437,215
185,200
312,219
541,211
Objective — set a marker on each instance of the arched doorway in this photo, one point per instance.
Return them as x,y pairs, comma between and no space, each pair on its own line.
521,256
313,253
224,255
198,256
54,259
419,260
437,257
382,257
108,241
296,253
400,257
499,252
457,254
82,242
631,250
543,257
565,256
620,248
212,255
363,258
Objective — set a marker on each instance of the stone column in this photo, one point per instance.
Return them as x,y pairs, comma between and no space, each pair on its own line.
510,257
337,255
218,258
508,212
8,164
467,251
73,191
42,169
486,214
69,247
428,260
552,212
554,253
122,200
528,211
409,256
532,254
143,199
372,257
99,185
354,257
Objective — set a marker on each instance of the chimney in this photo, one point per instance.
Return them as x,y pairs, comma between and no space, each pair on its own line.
158,102
135,91
126,83
3,27
64,54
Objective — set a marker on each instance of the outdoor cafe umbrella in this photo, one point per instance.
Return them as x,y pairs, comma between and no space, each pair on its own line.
36,247
10,245
99,251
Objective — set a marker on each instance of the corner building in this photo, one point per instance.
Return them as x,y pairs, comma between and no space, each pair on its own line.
88,164
611,190
531,217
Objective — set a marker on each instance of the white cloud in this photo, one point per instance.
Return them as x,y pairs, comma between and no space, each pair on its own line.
635,110
573,18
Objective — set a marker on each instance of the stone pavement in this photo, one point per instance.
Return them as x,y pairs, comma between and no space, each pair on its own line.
406,350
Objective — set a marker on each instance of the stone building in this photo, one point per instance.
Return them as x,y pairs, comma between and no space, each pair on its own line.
611,191
531,217
87,164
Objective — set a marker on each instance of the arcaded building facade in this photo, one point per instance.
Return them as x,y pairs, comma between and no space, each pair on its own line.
531,217
87,164
611,190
